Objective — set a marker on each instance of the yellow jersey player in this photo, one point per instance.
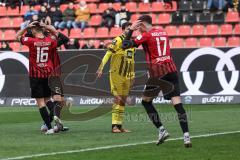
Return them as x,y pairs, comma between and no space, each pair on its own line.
121,76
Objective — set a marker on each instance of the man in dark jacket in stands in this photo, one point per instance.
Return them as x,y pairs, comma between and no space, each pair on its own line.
68,17
108,16
56,16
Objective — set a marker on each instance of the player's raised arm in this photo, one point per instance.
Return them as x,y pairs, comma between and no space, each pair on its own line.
23,31
50,28
127,43
62,39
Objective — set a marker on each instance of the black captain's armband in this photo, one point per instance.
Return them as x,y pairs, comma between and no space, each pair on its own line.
127,44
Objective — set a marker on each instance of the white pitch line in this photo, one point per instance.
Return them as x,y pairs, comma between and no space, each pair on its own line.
112,146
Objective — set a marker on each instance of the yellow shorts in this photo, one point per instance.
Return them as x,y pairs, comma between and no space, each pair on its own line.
120,86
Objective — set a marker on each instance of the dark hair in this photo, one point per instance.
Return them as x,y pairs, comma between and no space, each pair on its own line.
125,25
146,18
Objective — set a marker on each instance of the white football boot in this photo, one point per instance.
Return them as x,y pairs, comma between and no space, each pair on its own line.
187,140
50,131
163,135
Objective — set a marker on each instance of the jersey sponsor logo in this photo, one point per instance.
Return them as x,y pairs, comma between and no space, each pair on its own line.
15,56
225,60
114,42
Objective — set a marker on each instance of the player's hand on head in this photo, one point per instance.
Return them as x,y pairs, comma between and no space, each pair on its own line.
32,24
135,25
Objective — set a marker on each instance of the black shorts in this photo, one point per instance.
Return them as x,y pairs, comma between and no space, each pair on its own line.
39,88
168,84
55,85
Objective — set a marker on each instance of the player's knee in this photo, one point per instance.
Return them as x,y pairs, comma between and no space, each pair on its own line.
147,99
176,100
57,98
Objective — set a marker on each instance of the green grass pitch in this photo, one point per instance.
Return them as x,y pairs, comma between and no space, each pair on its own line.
20,135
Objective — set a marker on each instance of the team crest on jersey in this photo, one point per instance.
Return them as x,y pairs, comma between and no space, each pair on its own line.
114,42
139,37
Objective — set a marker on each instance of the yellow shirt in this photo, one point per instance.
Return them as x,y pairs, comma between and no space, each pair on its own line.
122,61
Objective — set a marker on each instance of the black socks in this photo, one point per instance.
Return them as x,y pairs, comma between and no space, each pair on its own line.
57,108
182,116
50,106
152,113
44,114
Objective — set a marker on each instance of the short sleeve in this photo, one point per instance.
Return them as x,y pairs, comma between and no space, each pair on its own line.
141,39
26,40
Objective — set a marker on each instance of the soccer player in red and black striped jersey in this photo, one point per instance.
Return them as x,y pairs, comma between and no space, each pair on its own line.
163,74
41,48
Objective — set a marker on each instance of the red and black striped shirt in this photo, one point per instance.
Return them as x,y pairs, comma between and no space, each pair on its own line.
157,49
40,52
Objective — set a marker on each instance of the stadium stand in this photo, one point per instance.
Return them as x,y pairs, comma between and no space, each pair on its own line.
186,22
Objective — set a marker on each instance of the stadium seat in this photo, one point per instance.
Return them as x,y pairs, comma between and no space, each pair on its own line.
107,42
9,35
15,46
82,43
233,41
232,17
131,6
37,7
198,30
184,5
89,33
115,31
63,7
154,18
171,30
191,18
16,22
219,42
102,7
204,17
177,18
96,43
92,7
65,32
5,22
237,29
75,33
205,42
24,9
226,29
211,29
218,18
24,48
3,11
13,12
184,30
1,35
177,43
143,7
134,17
197,5
191,43
164,18
117,6
157,7
95,20
102,32
170,6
